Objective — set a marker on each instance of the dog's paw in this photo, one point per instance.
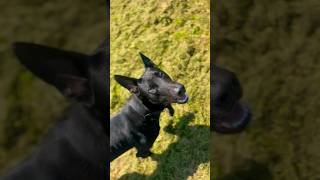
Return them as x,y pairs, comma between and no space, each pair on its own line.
143,154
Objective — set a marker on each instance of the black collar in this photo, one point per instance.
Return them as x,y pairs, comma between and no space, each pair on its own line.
144,109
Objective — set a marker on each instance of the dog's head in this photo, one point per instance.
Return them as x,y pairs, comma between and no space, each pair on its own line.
154,85
228,115
81,77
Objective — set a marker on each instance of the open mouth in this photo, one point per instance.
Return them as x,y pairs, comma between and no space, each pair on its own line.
234,121
183,99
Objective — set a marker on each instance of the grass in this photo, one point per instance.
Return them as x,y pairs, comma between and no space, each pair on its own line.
29,107
273,46
175,34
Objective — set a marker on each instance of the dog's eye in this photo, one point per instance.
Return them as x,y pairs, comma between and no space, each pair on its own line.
152,91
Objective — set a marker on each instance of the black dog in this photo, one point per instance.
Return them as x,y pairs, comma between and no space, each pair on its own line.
137,124
227,114
77,147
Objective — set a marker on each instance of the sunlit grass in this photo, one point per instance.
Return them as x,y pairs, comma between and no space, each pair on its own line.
175,34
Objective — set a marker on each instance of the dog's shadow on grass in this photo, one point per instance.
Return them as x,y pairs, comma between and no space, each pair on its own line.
183,157
250,170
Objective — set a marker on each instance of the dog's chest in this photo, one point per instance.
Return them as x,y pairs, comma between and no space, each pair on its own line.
148,130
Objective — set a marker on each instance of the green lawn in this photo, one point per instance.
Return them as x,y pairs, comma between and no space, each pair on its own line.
28,106
273,46
175,34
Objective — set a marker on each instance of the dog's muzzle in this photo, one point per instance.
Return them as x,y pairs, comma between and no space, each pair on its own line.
183,99
234,121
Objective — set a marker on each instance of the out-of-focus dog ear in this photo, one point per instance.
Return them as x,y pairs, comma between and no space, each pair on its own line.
66,70
146,61
75,87
128,83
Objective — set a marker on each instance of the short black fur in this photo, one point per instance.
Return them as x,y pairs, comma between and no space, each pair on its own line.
228,115
137,123
78,145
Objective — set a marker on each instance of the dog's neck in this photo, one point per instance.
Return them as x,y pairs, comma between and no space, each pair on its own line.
100,116
143,106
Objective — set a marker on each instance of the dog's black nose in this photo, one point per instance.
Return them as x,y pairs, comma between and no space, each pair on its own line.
180,90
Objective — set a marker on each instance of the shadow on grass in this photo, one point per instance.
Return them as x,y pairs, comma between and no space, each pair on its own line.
182,158
251,170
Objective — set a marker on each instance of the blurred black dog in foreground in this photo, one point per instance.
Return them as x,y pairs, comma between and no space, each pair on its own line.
137,124
228,115
78,146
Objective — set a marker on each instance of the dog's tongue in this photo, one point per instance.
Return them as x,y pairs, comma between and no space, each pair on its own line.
183,99
235,115
235,121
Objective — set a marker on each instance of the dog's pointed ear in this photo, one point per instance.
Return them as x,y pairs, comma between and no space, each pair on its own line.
146,61
129,83
66,70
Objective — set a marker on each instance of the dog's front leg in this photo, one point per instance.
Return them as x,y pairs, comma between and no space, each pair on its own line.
143,149
143,152
171,110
